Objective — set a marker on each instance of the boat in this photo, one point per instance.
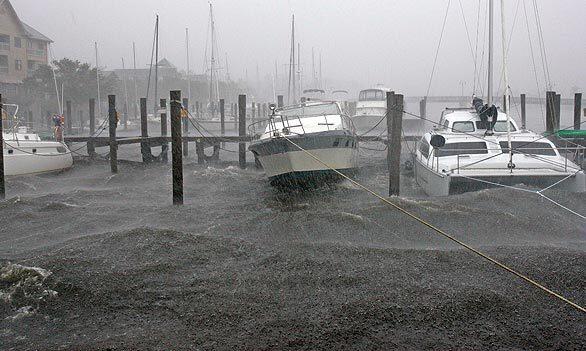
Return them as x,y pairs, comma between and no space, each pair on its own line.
459,155
481,146
318,127
26,153
371,109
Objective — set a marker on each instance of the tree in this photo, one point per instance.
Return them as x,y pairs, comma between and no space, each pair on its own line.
77,79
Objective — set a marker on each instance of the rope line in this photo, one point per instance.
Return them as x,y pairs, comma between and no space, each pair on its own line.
441,232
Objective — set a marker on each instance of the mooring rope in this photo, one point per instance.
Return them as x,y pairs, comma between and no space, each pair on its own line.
441,232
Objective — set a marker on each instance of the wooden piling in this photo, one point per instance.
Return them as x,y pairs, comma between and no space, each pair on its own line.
505,103
523,112
30,120
145,149
557,104
164,145
423,107
253,112
68,117
81,122
185,123
577,110
113,124
279,100
549,112
394,127
176,147
199,151
242,130
2,183
91,149
222,118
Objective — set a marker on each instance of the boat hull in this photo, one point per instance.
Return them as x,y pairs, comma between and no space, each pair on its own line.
35,157
438,184
285,164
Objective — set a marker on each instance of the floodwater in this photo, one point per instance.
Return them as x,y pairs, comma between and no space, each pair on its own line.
95,261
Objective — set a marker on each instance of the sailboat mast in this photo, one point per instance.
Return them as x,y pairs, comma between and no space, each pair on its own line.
299,68
125,94
134,81
156,65
505,69
212,62
490,50
293,56
187,62
98,80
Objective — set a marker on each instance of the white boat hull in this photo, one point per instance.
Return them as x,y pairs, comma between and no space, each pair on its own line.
33,157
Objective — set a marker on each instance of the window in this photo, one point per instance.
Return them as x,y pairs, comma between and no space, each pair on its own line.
501,126
29,44
462,127
3,64
424,148
18,65
4,42
371,95
17,42
41,45
465,148
528,148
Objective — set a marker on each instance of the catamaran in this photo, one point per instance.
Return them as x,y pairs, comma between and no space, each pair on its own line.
319,128
25,152
483,146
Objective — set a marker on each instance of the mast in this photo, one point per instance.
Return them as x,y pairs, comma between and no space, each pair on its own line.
125,95
291,89
490,49
98,80
212,62
134,81
299,68
313,74
506,76
320,81
156,65
187,59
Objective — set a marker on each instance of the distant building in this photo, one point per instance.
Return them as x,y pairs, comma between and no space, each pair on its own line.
22,49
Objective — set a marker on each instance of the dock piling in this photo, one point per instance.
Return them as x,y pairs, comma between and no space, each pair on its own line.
549,112
69,116
577,110
423,107
279,100
176,147
222,118
394,127
145,148
242,130
91,149
164,145
2,183
113,124
557,104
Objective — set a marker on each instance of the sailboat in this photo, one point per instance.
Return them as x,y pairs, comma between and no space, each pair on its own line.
25,153
482,146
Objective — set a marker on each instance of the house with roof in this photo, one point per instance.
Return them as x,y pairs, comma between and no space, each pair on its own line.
22,49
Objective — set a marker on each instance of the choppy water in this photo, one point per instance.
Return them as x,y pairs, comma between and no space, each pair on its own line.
94,261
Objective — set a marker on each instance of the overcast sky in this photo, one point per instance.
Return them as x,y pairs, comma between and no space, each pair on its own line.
362,42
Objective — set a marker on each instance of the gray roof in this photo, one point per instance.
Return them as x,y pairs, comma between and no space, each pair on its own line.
34,34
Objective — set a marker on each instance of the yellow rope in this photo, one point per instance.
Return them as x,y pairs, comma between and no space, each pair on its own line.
441,232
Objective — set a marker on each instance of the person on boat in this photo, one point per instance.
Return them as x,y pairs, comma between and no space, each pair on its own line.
484,112
58,122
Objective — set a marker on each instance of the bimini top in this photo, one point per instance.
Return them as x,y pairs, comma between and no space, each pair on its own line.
466,120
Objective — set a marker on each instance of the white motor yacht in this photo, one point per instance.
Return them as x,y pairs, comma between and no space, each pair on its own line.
318,127
371,109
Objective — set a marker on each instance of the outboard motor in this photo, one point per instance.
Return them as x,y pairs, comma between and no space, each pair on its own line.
485,112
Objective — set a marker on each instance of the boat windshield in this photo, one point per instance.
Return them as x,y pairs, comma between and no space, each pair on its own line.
371,95
501,126
311,110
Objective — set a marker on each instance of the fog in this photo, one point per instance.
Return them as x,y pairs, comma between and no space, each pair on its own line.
362,43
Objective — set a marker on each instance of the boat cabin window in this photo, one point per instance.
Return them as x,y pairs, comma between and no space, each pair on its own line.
311,110
371,95
528,148
463,127
424,148
465,148
501,126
